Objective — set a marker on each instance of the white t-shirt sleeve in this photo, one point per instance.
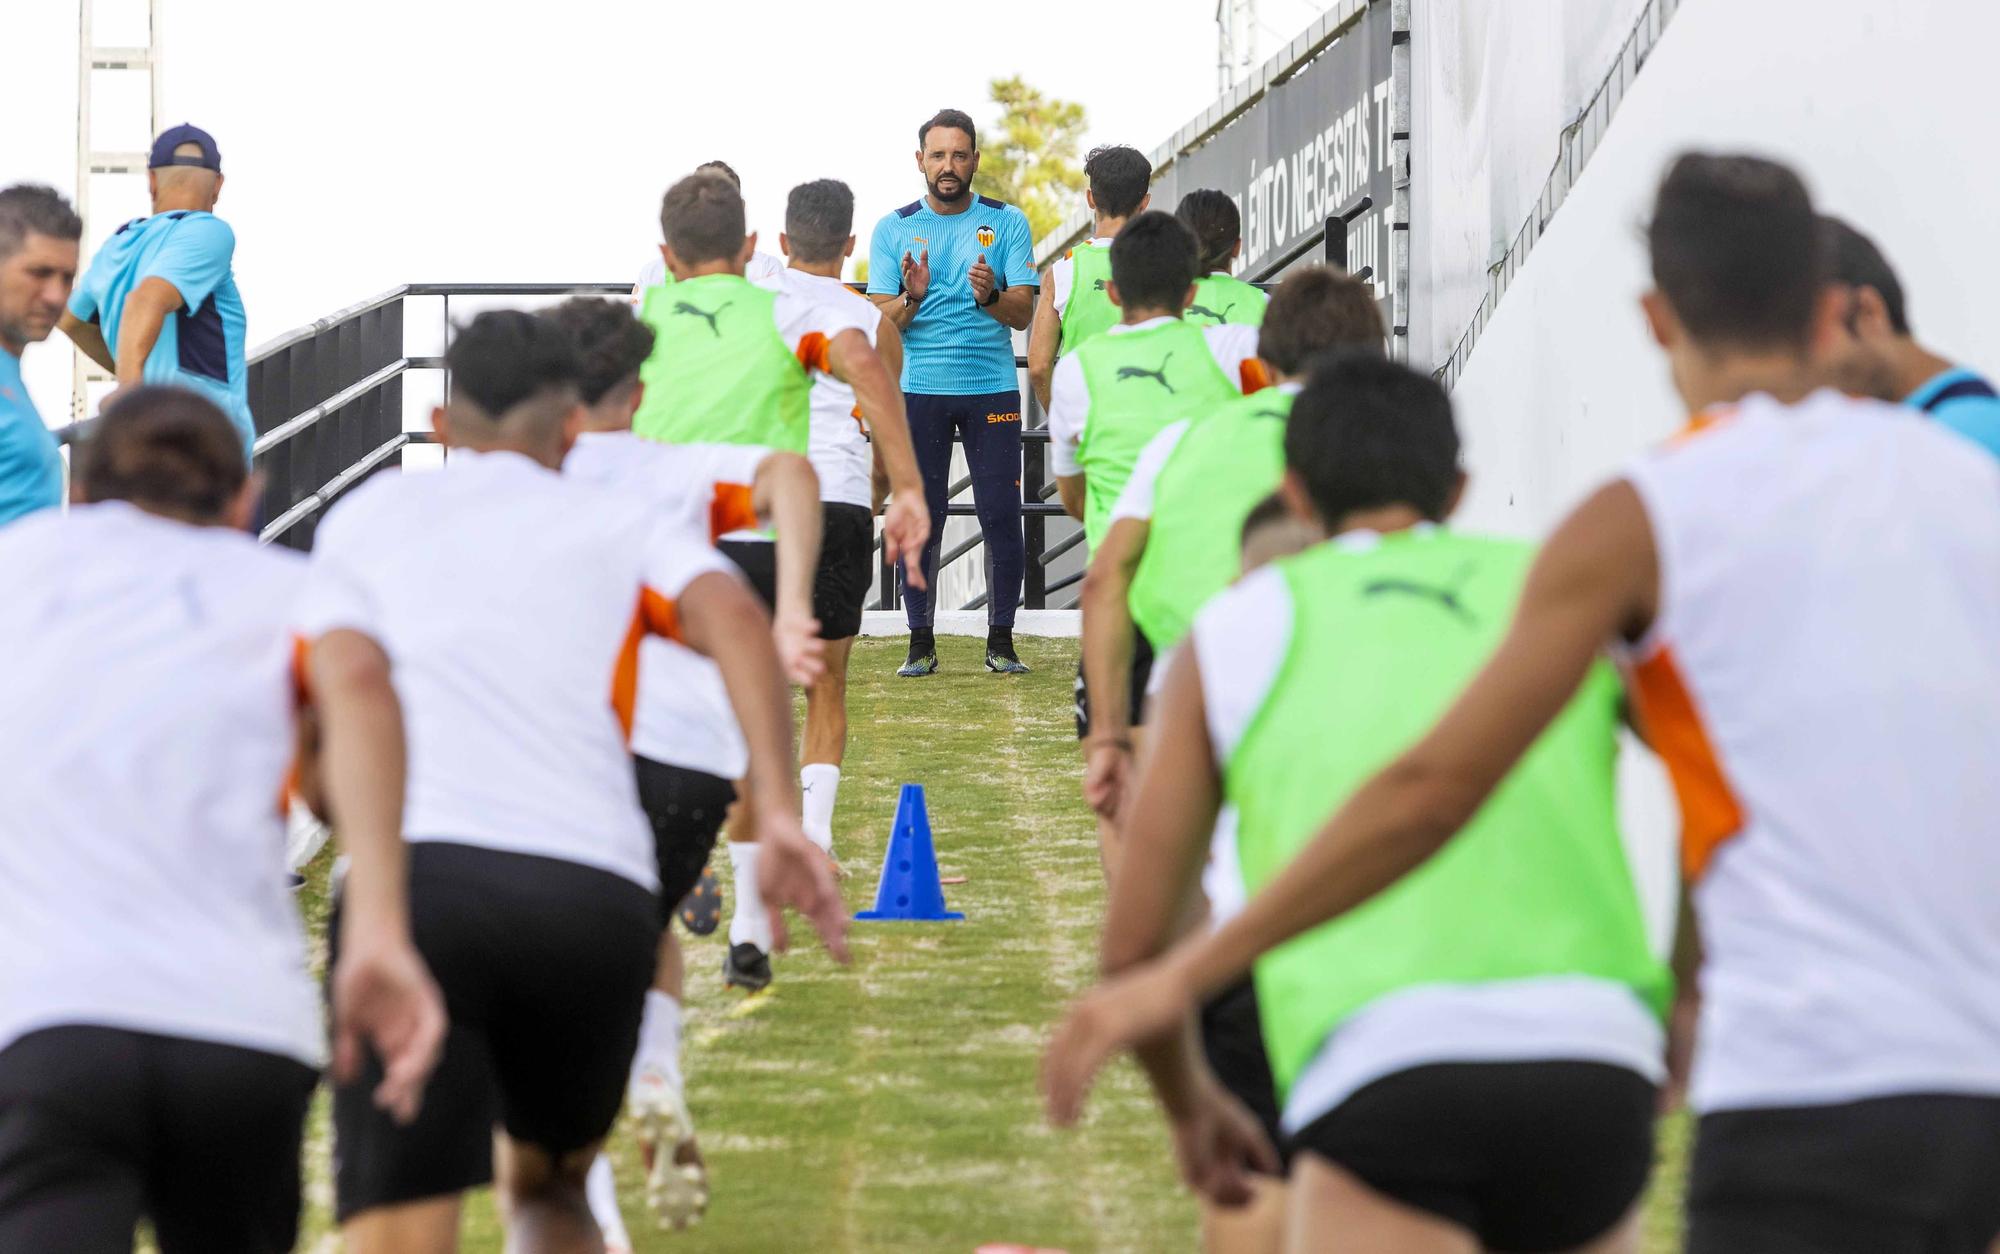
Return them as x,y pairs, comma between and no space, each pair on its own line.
1059,280
1232,346
338,592
1069,408
674,559
1136,501
652,274
765,270
1240,639
809,323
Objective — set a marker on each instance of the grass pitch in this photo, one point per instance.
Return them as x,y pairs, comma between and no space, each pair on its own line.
892,1106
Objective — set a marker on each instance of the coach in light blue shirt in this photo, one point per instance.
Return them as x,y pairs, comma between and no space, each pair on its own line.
1881,357
38,255
159,302
955,271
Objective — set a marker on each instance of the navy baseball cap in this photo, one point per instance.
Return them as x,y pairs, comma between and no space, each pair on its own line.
210,157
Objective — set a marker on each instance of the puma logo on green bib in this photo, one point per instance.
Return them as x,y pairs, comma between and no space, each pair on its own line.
684,309
1158,374
1205,312
1447,597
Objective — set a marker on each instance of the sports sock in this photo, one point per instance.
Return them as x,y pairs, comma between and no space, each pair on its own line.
660,1036
819,786
749,923
602,1193
922,640
1000,640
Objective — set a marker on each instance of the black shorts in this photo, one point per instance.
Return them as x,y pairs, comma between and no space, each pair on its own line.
1142,674
544,965
758,560
100,1127
1232,1038
686,809
1527,1156
846,565
1917,1173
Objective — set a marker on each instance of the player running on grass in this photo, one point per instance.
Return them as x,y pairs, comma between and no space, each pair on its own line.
733,363
850,457
1077,303
513,601
1805,588
1120,389
160,1037
1172,543
686,744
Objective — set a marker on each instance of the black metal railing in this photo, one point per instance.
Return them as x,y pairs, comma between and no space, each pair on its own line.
329,404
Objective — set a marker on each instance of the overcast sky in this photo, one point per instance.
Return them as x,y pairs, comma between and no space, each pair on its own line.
376,142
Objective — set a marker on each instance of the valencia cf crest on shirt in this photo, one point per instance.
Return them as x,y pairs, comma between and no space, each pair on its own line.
986,236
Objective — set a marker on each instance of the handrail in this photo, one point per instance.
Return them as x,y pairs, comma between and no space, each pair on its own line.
316,326
339,400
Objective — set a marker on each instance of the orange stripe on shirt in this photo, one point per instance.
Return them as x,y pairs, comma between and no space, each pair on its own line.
730,509
301,698
1253,376
1710,811
654,615
814,352
1702,423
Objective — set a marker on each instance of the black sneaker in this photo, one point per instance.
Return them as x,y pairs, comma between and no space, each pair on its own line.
746,967
1000,656
923,657
701,909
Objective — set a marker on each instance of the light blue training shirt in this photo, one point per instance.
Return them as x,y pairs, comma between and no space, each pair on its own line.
31,469
953,347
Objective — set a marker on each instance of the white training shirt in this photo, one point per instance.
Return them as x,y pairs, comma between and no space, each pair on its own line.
1235,352
840,451
1823,681
763,270
1240,640
512,602
1136,501
1062,275
149,693
684,718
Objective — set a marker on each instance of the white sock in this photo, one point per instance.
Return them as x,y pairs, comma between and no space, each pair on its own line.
660,1036
819,787
749,923
602,1193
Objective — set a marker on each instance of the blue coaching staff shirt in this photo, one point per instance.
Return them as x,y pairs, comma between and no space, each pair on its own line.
952,347
31,469
201,344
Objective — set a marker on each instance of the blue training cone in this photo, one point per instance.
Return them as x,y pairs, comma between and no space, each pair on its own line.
910,887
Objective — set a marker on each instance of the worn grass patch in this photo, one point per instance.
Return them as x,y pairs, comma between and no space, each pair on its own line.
892,1106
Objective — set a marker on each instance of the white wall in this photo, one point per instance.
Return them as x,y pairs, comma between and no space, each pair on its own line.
1493,85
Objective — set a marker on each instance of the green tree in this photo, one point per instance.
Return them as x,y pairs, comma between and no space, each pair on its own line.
861,270
1029,158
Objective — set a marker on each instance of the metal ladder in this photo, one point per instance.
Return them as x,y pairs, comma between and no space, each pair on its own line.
89,161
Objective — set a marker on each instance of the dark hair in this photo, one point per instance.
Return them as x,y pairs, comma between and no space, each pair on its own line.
165,449
701,218
951,119
819,218
1119,177
1152,262
724,169
610,344
1267,512
32,209
1315,309
1737,251
506,357
1216,222
1367,432
1857,262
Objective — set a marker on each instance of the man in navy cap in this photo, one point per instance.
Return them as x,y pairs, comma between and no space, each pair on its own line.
159,302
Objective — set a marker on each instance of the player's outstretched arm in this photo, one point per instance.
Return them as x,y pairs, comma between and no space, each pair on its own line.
1044,336
721,618
383,996
1596,579
786,491
906,526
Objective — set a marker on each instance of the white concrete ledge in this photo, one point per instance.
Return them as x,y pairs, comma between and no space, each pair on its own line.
973,623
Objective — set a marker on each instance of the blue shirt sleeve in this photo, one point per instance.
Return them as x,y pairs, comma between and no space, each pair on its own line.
1017,251
83,299
194,258
885,259
1975,417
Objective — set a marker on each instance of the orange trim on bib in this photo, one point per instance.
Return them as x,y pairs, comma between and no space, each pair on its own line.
1710,811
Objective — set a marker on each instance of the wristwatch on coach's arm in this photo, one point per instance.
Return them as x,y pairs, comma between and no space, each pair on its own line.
909,301
993,296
